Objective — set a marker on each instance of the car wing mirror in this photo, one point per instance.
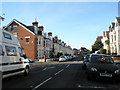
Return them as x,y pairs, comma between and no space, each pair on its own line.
24,55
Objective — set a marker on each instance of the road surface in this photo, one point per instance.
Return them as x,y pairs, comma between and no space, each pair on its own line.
56,74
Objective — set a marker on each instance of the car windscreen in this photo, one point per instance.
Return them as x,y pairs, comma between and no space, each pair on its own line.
101,59
62,57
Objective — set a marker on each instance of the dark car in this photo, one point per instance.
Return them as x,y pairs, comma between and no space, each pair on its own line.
101,66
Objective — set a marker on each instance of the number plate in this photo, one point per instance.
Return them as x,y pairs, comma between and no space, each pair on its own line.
105,75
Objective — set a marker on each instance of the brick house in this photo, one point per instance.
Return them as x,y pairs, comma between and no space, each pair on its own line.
27,36
35,42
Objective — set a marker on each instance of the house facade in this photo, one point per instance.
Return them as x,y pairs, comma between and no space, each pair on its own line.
35,42
26,36
113,35
105,40
61,48
112,38
117,30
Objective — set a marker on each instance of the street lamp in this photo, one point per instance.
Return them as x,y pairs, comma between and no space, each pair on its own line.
1,19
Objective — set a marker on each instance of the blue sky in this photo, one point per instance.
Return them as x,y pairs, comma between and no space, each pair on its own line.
76,23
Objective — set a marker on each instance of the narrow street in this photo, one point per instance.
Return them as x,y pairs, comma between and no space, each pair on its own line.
55,74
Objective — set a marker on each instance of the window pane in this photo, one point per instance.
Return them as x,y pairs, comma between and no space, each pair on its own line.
11,51
27,40
15,29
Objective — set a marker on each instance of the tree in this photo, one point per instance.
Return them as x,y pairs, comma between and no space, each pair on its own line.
59,54
102,51
97,45
107,42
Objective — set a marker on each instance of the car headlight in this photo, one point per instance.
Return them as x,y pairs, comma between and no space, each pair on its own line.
117,71
93,69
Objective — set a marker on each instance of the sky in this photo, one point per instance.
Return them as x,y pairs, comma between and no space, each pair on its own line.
76,23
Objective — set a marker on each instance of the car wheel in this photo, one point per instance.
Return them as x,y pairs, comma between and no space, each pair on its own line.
26,71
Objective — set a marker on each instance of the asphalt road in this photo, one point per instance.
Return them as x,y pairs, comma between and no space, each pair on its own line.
58,75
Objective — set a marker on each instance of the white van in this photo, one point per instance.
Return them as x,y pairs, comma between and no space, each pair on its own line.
12,58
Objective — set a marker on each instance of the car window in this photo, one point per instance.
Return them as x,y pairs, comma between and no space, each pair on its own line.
11,51
106,59
101,59
6,35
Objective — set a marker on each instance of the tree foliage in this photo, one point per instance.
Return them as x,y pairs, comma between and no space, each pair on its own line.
107,42
102,51
97,45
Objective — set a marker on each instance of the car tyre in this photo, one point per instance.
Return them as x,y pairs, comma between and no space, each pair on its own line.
26,71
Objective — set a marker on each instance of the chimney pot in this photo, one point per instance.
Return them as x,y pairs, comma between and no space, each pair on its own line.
41,28
35,23
50,34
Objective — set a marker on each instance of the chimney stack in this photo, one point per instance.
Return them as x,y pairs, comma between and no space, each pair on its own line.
110,28
50,34
56,37
41,28
35,23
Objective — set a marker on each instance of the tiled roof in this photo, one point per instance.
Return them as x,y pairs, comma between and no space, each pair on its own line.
31,28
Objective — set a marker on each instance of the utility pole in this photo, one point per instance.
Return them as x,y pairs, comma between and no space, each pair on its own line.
1,19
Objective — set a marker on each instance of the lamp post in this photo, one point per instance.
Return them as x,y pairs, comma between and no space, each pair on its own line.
44,50
1,19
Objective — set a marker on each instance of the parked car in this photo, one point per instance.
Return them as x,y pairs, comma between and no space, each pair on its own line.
62,58
67,57
101,66
12,58
30,60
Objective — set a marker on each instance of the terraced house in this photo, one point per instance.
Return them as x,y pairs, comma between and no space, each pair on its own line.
35,42
113,35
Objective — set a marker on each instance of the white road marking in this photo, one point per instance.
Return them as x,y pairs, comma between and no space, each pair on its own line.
90,86
59,71
48,68
51,67
67,66
42,83
44,69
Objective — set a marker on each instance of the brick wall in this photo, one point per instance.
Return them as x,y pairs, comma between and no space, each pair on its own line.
31,48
